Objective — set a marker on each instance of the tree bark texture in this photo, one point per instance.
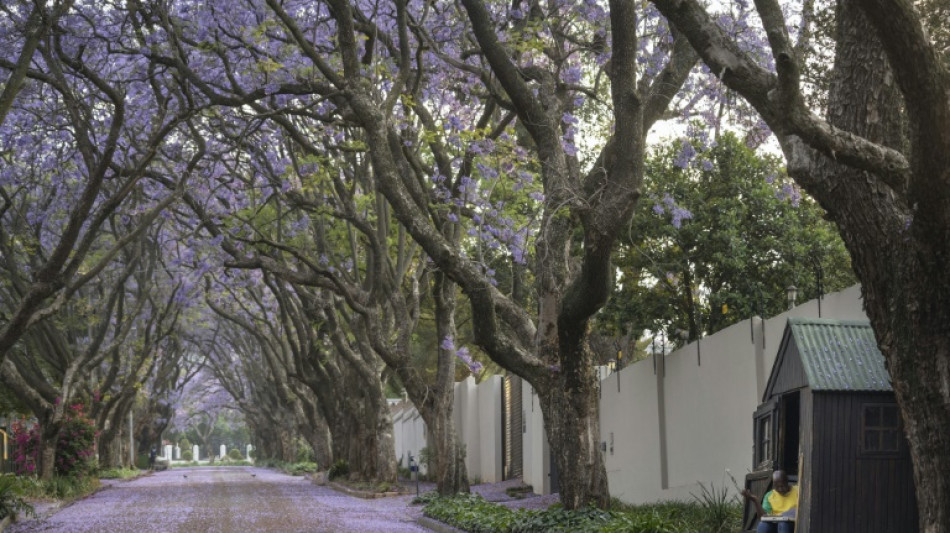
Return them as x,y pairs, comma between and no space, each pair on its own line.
900,250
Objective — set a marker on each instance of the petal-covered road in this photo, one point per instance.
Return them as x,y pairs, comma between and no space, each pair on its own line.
227,500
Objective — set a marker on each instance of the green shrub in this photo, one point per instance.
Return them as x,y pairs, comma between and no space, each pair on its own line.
235,455
187,456
76,445
11,502
304,452
340,468
185,444
299,469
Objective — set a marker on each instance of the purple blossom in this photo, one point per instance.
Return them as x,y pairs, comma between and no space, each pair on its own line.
686,154
571,75
569,148
448,344
679,215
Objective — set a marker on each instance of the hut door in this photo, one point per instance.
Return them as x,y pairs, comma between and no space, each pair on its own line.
789,431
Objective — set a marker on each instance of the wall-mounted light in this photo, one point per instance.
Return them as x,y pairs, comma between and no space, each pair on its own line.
792,293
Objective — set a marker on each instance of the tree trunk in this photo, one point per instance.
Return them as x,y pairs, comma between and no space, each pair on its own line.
110,455
450,473
313,425
46,458
375,447
570,404
436,403
900,255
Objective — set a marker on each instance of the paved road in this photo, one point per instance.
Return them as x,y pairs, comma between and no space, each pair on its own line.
227,500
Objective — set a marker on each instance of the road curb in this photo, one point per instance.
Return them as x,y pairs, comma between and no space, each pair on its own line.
435,525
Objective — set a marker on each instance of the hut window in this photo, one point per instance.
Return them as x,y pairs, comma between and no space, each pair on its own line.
880,428
764,441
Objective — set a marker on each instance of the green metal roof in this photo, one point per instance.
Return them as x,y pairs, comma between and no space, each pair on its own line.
840,355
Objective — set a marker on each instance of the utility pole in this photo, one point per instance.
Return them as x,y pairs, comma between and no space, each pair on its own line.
131,442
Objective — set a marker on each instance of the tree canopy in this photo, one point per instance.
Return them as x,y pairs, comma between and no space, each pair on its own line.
719,238
267,196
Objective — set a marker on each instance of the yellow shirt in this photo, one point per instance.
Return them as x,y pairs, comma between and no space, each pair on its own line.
776,504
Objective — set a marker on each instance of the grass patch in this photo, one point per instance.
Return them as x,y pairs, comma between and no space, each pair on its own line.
119,473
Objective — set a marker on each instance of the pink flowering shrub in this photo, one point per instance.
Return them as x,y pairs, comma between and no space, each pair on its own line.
26,441
75,446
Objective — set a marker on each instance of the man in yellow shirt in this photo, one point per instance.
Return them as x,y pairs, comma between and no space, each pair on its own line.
778,508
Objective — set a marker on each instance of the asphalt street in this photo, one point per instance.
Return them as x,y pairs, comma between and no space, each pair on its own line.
226,500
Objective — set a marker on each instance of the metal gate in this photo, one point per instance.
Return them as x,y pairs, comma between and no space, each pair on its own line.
513,428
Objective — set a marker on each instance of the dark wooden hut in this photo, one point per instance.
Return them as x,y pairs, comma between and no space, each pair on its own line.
829,419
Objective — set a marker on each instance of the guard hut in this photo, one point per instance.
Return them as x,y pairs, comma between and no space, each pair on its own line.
829,419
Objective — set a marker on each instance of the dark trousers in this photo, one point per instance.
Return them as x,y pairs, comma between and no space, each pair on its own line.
775,527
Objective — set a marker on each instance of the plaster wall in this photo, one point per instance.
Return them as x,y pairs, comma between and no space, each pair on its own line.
491,433
667,423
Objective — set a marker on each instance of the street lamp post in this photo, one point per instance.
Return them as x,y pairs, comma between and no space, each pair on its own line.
792,293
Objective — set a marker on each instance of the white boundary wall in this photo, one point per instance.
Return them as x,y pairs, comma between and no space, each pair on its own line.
663,431
667,432
477,413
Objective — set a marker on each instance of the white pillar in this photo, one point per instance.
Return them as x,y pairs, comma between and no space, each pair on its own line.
168,452
194,452
248,453
224,450
177,453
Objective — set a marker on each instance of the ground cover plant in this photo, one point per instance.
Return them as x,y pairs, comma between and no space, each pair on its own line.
119,473
338,469
65,488
471,512
11,502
